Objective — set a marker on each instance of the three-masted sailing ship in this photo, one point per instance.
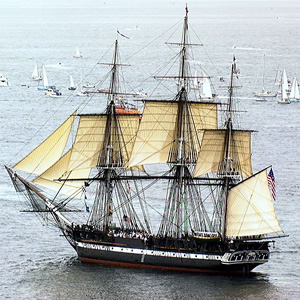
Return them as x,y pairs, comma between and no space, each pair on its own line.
218,216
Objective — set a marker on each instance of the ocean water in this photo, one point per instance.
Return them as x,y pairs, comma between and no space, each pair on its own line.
36,262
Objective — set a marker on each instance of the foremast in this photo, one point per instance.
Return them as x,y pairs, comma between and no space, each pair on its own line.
112,203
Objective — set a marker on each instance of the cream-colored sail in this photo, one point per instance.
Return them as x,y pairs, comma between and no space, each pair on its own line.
77,163
88,142
129,125
157,129
204,117
251,209
212,151
84,154
155,134
48,152
49,179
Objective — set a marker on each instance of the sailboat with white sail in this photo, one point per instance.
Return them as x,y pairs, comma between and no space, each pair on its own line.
264,94
205,91
294,94
72,86
285,92
45,82
36,76
82,92
107,160
77,53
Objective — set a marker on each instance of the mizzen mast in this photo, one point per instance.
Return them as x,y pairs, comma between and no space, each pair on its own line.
227,160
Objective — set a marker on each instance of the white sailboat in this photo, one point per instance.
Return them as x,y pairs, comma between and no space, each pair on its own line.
205,89
72,86
294,95
82,92
263,94
77,53
46,85
284,99
35,74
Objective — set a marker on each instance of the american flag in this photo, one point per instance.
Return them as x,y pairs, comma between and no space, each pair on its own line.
272,184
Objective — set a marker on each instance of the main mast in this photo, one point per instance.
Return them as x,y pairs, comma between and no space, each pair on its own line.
180,165
183,210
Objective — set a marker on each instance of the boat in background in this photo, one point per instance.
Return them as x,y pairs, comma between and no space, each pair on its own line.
35,74
53,93
88,85
294,94
77,53
205,91
263,94
45,82
82,92
284,92
72,86
4,81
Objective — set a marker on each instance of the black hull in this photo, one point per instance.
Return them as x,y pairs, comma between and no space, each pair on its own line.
141,258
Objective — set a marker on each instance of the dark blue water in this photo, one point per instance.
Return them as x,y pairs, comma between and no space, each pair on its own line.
35,261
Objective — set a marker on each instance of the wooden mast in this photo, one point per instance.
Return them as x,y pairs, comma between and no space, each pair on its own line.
227,160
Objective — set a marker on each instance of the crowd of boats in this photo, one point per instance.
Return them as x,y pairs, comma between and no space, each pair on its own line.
287,91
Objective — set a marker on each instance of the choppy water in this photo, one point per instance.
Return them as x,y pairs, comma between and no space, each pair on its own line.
35,261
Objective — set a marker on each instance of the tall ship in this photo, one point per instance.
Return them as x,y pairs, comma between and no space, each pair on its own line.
216,214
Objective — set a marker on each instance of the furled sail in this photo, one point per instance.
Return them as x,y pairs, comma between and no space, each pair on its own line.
48,152
157,129
212,152
250,209
83,156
